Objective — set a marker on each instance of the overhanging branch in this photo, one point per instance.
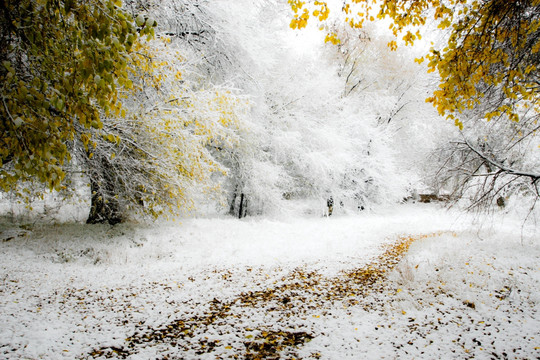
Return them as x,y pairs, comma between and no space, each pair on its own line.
534,176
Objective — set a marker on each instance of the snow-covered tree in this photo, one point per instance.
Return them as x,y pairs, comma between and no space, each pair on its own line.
154,155
389,89
487,72
131,114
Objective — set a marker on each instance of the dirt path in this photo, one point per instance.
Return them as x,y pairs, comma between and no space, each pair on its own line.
265,324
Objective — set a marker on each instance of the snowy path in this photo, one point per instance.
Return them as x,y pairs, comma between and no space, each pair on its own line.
303,288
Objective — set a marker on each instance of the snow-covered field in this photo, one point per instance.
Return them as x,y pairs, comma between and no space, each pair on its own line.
310,288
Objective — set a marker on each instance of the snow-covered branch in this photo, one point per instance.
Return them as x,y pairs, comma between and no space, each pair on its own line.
505,169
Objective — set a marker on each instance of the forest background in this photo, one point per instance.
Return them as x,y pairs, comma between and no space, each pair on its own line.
141,109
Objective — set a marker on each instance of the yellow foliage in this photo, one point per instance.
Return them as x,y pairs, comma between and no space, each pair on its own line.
61,90
332,38
490,46
180,128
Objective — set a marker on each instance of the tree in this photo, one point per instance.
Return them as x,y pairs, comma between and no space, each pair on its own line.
492,46
304,140
62,64
483,163
488,70
85,91
161,158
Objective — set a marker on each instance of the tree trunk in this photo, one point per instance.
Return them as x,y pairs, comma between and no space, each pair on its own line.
241,209
104,206
233,203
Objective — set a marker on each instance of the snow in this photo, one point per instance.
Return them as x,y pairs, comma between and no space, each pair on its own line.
225,288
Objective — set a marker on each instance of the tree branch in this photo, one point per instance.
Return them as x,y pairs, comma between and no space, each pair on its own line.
534,176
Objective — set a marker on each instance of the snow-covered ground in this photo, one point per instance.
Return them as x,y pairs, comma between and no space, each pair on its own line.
328,288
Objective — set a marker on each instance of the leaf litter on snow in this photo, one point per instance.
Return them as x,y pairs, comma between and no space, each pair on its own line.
300,294
188,293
